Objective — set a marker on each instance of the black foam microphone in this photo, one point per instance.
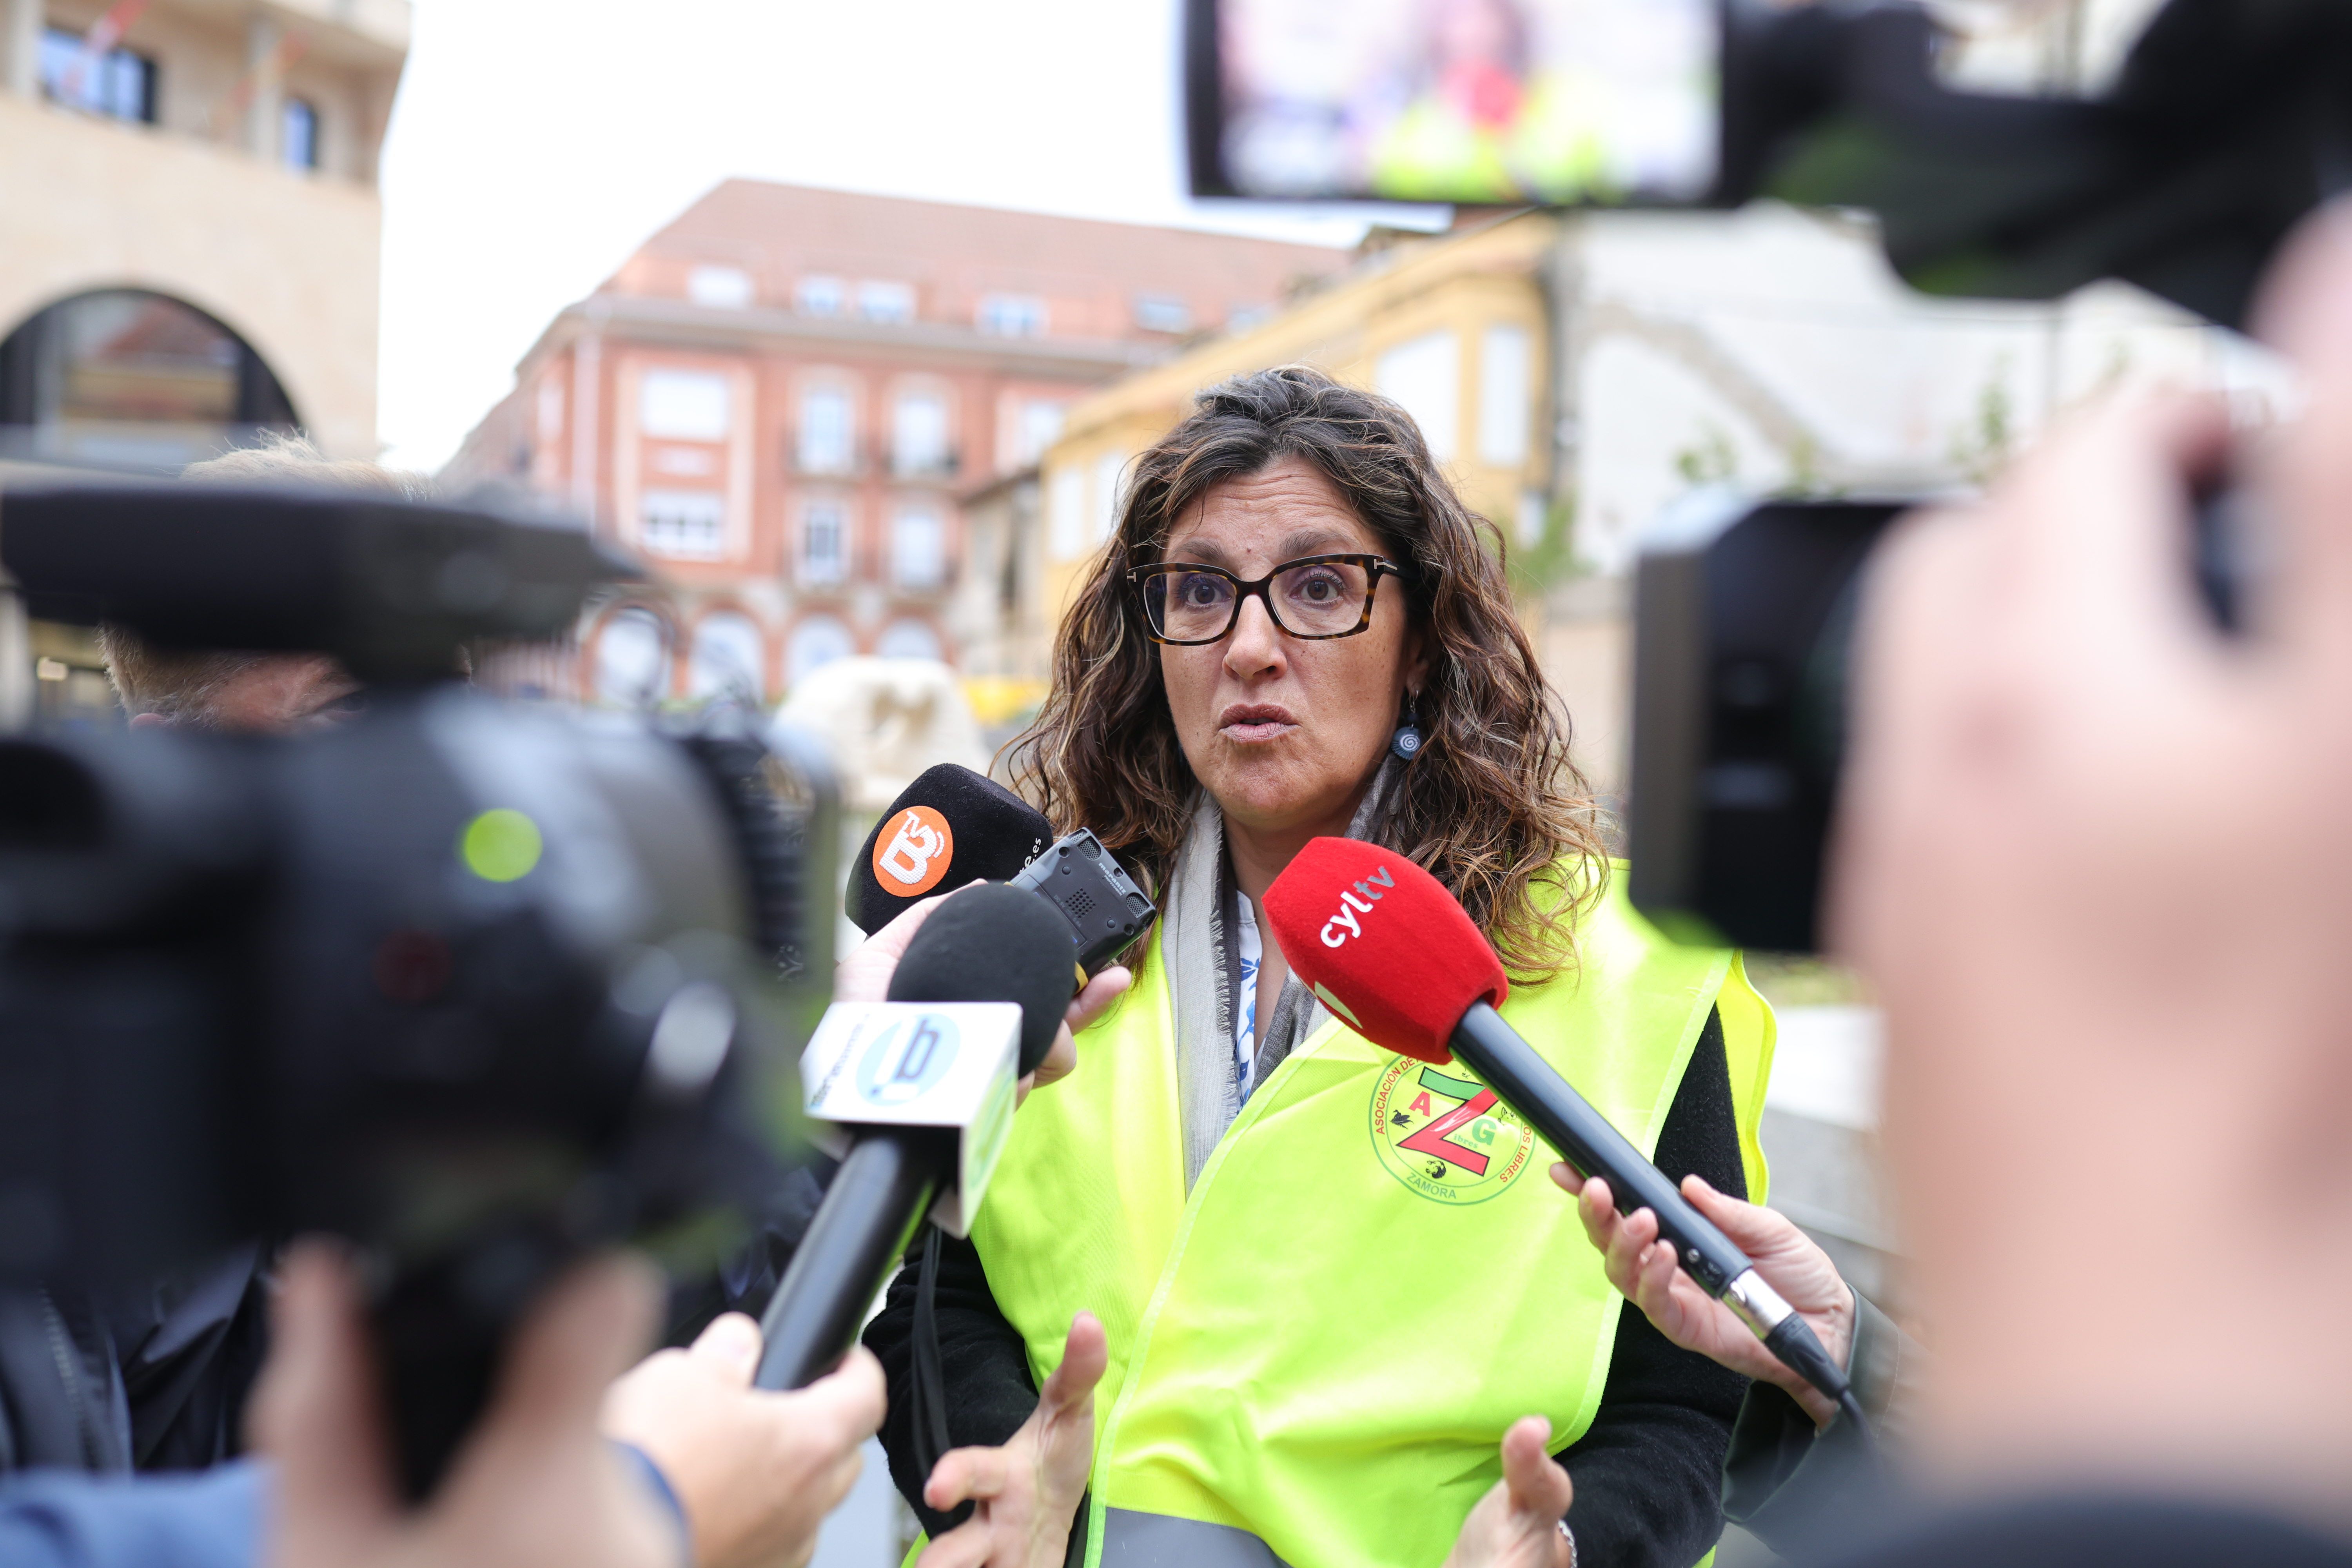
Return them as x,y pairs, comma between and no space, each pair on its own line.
943,1105
953,826
948,827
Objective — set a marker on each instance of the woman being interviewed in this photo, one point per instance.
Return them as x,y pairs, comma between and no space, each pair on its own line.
1327,1279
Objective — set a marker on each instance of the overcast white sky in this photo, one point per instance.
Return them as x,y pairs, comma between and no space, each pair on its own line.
537,142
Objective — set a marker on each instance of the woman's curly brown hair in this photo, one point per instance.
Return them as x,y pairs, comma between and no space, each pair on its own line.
1492,806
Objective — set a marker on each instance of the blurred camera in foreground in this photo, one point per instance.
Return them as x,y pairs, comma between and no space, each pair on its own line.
477,985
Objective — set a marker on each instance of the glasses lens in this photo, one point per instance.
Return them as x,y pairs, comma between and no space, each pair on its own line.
1323,598
1189,606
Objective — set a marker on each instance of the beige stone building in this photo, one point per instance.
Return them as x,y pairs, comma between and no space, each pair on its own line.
189,239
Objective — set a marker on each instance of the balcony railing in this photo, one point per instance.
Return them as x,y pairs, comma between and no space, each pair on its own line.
935,463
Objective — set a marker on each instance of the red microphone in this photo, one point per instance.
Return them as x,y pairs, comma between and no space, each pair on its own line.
1395,957
1383,946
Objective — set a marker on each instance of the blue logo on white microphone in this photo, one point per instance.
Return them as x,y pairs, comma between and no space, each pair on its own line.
906,1059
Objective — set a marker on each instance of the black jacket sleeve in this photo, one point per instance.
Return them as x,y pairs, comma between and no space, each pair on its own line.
985,1368
1649,1470
191,1348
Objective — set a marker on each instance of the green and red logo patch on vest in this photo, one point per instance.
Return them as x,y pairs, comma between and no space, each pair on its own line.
1444,1135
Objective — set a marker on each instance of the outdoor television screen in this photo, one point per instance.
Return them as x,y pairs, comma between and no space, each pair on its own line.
1475,102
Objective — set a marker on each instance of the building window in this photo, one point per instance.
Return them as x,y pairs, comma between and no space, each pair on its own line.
918,550
1243,317
824,543
1040,427
684,404
550,411
1106,496
1424,377
820,297
633,659
918,435
297,134
1012,315
729,659
117,83
724,287
1534,521
1065,514
908,639
686,525
1504,395
828,433
815,643
688,462
1162,313
892,304
123,375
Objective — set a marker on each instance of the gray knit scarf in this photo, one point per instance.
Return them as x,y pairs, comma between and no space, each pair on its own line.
1195,922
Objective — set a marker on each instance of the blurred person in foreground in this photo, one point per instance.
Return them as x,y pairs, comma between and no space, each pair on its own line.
2118,1066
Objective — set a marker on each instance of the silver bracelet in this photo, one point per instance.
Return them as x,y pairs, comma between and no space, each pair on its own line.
1570,1536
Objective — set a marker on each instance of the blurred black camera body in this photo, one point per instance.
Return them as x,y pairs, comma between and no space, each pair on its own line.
477,985
1743,619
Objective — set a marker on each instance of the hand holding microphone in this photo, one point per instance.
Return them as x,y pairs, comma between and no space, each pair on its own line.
924,1098
952,828
1646,1272
865,976
1386,948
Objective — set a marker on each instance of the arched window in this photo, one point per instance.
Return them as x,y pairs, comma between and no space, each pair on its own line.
817,641
728,658
127,374
633,659
908,639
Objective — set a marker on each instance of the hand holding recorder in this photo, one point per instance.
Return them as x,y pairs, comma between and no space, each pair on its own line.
952,828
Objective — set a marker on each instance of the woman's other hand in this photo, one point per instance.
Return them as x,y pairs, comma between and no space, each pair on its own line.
1027,1493
1517,1523
1647,1275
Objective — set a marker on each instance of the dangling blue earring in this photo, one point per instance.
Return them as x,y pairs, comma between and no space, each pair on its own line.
1406,745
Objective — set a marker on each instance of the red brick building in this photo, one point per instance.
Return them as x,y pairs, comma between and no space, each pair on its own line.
783,399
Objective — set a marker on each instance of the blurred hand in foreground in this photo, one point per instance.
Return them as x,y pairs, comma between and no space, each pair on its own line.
756,1471
535,1486
2096,859
865,976
1647,1275
1026,1493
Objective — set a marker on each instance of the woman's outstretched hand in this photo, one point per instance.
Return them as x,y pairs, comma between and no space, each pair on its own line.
1027,1493
1646,1274
1517,1523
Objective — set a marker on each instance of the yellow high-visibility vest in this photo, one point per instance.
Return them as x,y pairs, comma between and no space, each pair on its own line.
1315,1353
